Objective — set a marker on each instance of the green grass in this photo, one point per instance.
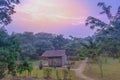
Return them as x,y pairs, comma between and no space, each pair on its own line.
40,73
111,70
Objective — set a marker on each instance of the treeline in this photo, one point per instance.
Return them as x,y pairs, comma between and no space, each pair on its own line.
33,45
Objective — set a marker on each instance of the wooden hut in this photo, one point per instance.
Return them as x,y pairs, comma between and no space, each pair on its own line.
56,58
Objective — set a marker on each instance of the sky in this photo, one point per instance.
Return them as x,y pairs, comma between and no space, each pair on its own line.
65,17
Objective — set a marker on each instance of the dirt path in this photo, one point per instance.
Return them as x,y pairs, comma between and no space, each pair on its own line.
80,69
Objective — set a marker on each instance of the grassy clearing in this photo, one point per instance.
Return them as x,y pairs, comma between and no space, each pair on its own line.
111,70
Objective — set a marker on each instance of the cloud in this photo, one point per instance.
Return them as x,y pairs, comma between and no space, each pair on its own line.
62,12
48,15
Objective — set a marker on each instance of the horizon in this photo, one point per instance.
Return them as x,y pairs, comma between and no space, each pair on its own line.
57,17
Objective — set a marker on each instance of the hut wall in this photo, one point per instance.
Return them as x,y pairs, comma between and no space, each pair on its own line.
64,60
55,61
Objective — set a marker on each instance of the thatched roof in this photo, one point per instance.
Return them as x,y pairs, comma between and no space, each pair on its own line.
54,53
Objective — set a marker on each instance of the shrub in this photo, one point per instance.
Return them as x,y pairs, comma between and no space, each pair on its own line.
2,70
69,67
66,74
69,75
47,73
57,75
25,66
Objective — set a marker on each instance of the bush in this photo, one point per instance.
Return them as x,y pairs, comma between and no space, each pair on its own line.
25,66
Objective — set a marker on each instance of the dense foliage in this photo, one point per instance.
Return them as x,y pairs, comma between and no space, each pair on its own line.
9,50
33,45
107,33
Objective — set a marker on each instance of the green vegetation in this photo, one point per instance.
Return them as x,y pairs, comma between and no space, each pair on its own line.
107,36
33,45
111,70
9,50
25,66
49,73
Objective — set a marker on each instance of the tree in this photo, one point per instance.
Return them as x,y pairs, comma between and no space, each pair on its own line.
33,45
6,10
100,25
8,46
58,42
91,45
42,45
14,50
25,66
93,50
3,37
107,31
73,45
9,50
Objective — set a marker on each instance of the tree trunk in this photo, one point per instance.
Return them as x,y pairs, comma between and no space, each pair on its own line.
65,75
106,60
101,68
119,59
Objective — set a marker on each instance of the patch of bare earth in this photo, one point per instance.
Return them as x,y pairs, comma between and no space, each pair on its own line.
79,71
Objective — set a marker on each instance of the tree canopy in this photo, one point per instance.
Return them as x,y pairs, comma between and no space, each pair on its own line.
6,10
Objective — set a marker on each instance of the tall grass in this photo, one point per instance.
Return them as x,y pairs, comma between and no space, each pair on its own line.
111,70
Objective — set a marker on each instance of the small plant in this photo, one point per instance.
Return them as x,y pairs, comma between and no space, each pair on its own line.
2,70
20,69
69,75
69,67
12,68
25,66
40,65
57,75
65,74
47,73
30,68
55,63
